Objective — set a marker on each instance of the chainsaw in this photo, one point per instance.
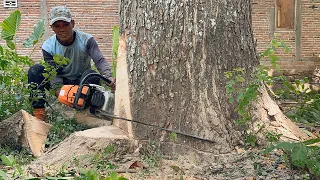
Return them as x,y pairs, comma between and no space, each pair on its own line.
101,102
85,95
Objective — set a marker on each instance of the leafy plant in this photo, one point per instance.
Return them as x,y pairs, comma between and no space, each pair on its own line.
301,155
101,160
150,155
114,176
61,128
115,46
13,76
244,93
11,162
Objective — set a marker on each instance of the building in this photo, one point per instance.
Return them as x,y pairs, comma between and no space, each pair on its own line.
297,23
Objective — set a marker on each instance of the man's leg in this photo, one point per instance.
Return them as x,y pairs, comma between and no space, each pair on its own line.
37,94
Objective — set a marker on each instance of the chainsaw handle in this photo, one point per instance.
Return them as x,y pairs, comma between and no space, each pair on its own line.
82,82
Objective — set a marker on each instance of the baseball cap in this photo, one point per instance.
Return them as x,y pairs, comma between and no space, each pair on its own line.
60,13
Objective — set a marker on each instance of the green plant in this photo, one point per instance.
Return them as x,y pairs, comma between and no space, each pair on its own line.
173,137
301,155
150,155
115,46
307,113
61,128
21,155
114,176
245,92
11,162
13,76
270,53
101,160
273,137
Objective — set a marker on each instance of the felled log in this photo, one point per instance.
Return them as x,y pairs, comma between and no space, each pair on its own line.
23,129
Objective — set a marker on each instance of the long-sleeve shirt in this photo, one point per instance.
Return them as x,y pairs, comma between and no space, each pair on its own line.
80,52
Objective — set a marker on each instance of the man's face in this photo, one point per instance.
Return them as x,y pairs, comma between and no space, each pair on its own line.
63,30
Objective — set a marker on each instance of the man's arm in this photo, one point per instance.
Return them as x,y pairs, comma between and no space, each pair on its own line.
98,58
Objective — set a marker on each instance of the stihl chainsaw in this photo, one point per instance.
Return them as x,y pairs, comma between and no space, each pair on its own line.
101,102
84,95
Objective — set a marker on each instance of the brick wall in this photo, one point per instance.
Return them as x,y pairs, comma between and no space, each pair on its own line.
98,18
263,17
92,16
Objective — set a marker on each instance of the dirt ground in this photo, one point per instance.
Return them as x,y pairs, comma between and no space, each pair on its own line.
141,162
136,164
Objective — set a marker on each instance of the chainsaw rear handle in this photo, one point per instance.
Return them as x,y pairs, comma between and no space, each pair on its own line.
82,82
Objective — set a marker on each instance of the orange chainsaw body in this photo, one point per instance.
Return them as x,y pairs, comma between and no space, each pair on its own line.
68,92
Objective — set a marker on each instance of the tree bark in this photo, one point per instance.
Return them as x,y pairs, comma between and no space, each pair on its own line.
11,130
177,52
24,130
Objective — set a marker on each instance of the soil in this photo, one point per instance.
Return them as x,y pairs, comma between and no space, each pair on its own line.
146,163
137,161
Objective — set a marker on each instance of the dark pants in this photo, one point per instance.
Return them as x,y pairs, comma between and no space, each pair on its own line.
36,79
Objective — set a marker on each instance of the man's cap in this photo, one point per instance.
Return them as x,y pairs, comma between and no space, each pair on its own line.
60,13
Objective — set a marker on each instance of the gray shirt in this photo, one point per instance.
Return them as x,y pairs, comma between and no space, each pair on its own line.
80,52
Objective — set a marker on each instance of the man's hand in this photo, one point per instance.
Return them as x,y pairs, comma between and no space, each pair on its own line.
112,84
57,92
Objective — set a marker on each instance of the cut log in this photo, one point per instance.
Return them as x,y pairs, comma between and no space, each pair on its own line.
23,129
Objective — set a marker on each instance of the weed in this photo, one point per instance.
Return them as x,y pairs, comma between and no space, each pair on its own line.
245,93
21,155
61,128
101,160
301,155
115,46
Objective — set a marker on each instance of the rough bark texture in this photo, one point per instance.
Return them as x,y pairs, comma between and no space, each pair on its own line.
177,53
11,130
24,130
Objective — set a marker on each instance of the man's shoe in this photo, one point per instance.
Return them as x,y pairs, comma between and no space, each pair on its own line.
40,113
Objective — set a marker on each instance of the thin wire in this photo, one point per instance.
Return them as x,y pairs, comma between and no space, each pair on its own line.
157,127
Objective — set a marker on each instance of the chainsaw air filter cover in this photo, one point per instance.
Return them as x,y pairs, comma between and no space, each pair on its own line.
98,99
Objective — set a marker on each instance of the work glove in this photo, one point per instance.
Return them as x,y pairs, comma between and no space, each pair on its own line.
112,84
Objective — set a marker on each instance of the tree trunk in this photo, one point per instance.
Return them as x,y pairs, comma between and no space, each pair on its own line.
177,52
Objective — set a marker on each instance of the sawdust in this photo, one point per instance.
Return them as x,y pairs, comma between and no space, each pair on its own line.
137,162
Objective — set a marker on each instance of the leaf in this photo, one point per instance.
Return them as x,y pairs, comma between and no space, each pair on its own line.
8,160
10,44
36,35
3,175
115,42
114,175
311,141
122,178
10,26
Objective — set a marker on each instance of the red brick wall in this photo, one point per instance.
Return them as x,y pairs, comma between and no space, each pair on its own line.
262,22
310,29
93,16
98,18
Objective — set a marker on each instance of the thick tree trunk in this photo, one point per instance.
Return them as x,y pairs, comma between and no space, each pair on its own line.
177,52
